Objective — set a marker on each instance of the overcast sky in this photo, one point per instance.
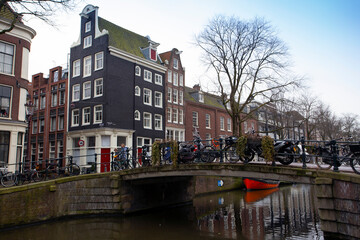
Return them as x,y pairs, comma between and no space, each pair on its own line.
323,37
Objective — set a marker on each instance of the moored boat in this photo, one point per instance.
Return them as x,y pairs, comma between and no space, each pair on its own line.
255,196
258,184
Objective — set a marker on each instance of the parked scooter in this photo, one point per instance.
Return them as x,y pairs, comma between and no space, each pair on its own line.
284,151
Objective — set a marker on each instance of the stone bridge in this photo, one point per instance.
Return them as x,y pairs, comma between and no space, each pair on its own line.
146,188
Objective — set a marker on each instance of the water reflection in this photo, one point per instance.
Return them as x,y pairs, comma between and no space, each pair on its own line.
285,213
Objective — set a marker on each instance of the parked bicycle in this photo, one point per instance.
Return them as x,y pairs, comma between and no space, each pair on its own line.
122,159
54,169
8,179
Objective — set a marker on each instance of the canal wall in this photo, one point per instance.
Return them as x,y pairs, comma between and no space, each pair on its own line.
103,193
339,206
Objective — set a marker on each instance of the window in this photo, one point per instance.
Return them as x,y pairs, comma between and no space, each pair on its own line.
61,97
55,76
87,41
175,115
207,120
36,103
181,97
87,66
75,118
5,100
181,80
175,96
229,124
34,127
99,61
52,150
53,99
40,151
201,97
158,79
141,141
169,76
147,120
98,114
181,116
195,119
176,63
41,125
86,90
158,99
169,95
6,58
175,80
137,91
61,122
60,149
147,96
222,127
52,124
76,68
76,92
42,102
86,116
158,122
137,71
153,54
98,89
137,115
169,112
87,27
147,76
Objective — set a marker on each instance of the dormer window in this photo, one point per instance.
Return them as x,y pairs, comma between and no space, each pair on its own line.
152,54
201,97
87,27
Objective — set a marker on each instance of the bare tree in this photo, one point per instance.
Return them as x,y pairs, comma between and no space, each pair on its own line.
307,105
250,61
42,9
328,125
350,125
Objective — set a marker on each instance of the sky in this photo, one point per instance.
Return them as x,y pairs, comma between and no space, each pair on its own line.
323,37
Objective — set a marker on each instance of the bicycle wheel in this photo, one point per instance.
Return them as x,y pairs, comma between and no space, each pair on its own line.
73,169
323,163
36,177
355,164
116,166
207,156
249,155
231,155
9,179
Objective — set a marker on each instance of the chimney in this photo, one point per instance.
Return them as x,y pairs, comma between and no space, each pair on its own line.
196,87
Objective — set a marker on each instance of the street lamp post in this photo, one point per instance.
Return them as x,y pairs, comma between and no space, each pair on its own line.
29,110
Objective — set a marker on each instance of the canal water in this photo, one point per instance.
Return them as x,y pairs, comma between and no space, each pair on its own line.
285,213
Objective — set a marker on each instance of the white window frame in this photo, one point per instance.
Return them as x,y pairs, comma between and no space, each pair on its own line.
158,119
88,26
158,79
169,114
145,119
176,63
87,41
207,121
99,61
138,118
137,91
13,54
181,116
169,76
76,68
229,124
147,75
83,116
86,89
147,95
222,123
73,122
201,97
175,115
160,98
169,94
137,71
195,116
87,66
175,96
181,80
176,79
98,85
74,98
98,111
181,97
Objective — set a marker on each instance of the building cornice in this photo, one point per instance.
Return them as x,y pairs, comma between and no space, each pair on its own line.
135,59
20,30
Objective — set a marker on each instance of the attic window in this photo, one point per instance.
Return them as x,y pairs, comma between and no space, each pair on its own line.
201,97
153,54
88,27
175,65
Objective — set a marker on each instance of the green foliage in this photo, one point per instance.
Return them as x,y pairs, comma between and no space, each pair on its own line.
268,151
241,146
174,152
156,153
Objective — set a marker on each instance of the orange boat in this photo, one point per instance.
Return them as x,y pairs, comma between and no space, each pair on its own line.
254,196
258,184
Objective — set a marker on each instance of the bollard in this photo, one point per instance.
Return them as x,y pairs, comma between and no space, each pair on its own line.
95,163
221,140
112,161
303,156
334,155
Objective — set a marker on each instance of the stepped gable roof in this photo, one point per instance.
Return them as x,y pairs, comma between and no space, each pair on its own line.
124,39
209,99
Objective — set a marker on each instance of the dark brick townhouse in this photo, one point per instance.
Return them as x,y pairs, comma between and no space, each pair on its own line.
174,95
48,125
14,62
116,89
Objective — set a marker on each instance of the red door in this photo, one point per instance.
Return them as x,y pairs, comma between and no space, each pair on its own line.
105,160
